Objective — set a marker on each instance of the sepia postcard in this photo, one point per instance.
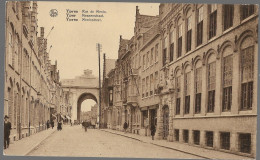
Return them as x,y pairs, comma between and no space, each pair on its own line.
130,80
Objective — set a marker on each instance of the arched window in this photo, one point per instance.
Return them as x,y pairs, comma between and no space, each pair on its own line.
164,56
171,36
227,79
178,92
211,68
187,80
189,30
198,85
247,73
179,38
199,25
10,45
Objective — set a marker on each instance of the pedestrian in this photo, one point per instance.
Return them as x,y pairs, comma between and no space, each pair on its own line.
125,126
59,127
48,124
52,124
7,129
153,130
86,126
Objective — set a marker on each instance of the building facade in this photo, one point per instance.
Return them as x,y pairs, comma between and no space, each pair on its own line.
202,90
30,89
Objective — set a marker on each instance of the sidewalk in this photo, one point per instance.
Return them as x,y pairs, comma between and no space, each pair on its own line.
24,146
197,151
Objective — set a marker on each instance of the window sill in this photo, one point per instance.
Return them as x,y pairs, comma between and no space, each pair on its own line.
245,112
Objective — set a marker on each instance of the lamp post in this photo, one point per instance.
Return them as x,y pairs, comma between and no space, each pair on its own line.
99,85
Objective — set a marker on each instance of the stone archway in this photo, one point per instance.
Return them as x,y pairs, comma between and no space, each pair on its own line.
82,98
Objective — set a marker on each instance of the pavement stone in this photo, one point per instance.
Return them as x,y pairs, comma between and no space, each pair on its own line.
18,148
193,150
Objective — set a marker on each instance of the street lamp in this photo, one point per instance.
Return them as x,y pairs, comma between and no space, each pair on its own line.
99,47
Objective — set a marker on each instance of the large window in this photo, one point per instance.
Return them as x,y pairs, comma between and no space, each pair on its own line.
196,137
225,140
246,11
151,84
151,61
147,86
189,32
198,84
247,64
211,86
144,66
212,20
228,15
164,51
179,40
178,95
171,47
185,136
209,138
187,92
227,83
245,142
148,59
143,87
176,134
156,52
10,48
200,26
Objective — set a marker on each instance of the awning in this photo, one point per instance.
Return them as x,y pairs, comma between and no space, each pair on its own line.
62,116
68,117
53,116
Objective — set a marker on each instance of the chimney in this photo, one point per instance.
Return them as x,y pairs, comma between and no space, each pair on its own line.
120,38
104,67
42,32
137,10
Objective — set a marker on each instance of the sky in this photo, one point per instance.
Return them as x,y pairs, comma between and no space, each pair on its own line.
74,42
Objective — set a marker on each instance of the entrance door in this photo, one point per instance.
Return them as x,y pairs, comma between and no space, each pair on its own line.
165,122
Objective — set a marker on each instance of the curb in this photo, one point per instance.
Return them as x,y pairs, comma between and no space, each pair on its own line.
159,145
38,144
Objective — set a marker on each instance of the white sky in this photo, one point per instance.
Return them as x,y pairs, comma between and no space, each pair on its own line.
74,43
87,104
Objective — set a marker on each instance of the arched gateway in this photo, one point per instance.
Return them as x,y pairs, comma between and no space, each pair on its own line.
79,89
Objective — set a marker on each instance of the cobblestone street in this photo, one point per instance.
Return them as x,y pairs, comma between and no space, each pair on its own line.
73,141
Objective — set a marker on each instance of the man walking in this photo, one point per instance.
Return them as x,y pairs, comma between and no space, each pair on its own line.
7,128
153,130
125,126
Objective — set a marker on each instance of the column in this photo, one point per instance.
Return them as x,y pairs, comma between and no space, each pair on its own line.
219,20
181,135
192,92
233,142
170,102
191,140
218,88
204,91
159,128
202,138
216,140
235,84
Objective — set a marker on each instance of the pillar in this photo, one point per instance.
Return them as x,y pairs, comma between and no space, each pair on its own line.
159,128
170,137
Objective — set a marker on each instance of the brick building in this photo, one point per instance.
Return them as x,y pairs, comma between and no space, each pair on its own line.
31,90
202,90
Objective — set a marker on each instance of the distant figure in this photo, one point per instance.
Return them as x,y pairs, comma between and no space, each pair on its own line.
52,124
48,124
153,130
125,126
7,129
59,127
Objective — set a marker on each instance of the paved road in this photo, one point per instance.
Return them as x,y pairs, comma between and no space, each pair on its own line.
74,142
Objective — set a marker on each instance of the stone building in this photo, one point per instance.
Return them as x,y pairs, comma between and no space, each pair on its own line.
29,87
204,92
